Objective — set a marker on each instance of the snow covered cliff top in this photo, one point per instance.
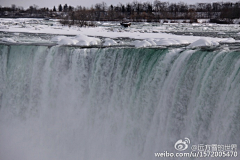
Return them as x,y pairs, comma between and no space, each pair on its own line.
146,35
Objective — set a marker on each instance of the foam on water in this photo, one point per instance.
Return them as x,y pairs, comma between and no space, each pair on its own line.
59,103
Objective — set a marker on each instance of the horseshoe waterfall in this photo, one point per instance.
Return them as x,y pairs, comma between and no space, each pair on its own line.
72,103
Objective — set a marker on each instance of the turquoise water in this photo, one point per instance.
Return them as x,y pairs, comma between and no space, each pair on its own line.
115,103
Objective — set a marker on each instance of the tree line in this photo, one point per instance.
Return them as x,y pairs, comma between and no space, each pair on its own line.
134,11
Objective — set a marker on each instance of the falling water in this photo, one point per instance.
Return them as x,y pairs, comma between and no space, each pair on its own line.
67,103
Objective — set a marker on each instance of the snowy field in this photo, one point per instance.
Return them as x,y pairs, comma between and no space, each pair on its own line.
112,34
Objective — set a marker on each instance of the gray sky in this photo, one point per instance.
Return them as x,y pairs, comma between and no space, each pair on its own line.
87,3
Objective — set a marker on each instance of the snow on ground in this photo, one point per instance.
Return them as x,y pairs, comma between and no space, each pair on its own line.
143,34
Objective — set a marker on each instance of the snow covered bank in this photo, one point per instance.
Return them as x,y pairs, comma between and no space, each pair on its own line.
142,35
80,40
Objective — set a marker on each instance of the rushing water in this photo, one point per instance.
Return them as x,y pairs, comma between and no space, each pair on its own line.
66,103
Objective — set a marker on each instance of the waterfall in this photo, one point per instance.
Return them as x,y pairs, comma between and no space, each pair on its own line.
59,102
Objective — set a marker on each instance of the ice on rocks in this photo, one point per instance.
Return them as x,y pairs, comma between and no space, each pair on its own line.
109,42
203,42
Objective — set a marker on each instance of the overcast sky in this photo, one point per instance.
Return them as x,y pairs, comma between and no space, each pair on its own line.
87,3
